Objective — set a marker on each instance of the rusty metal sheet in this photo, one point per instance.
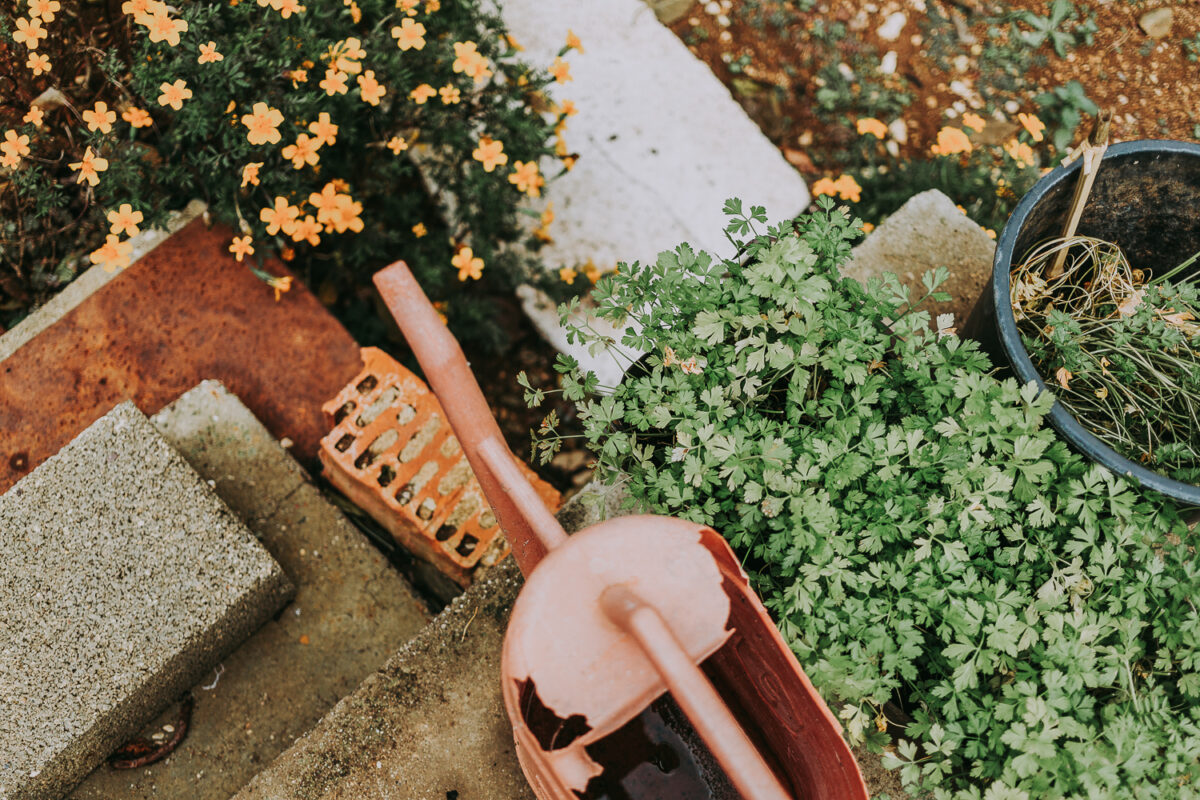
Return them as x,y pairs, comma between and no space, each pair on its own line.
185,312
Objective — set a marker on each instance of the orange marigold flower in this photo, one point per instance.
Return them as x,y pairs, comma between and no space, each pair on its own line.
114,255
288,7
432,6
409,35
568,108
561,70
240,247
422,93
325,202
409,7
951,140
124,219
38,63
490,153
250,173
298,76
29,32
526,178
304,151
137,117
974,121
99,118
44,9
34,116
1032,124
90,167
323,130
469,61
345,55
867,227
397,144
1020,152
869,125
209,54
140,8
419,230
345,214
308,230
280,217
355,13
263,124
568,275
334,82
15,143
848,188
468,264
449,94
9,160
513,43
163,28
282,285
824,186
573,42
173,94
370,89
287,254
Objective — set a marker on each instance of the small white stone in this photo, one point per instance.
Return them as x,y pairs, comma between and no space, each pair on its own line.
1122,99
845,70
952,113
725,37
899,131
1012,106
962,63
892,147
887,64
889,31
712,8
723,21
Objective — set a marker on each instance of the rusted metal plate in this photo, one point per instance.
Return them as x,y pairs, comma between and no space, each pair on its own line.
184,313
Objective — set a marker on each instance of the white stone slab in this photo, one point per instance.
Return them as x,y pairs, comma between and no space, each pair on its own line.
661,141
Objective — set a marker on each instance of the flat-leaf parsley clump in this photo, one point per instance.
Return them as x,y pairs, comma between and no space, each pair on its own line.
921,536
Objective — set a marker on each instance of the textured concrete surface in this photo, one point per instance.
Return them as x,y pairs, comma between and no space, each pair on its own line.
351,611
184,313
431,723
661,143
82,287
925,233
123,579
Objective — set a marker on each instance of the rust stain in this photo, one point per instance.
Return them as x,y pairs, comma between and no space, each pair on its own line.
184,313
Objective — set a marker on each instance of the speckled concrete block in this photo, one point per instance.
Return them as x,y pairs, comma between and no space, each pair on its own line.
928,232
351,611
123,579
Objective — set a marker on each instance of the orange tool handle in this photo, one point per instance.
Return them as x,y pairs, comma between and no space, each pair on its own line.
530,528
695,694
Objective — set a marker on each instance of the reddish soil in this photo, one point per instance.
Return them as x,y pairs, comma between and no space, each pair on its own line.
774,70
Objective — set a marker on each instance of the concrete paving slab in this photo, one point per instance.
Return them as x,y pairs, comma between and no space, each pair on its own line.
350,612
431,724
661,142
185,312
123,579
928,232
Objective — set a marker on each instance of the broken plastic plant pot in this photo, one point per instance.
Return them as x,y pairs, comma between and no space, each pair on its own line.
637,662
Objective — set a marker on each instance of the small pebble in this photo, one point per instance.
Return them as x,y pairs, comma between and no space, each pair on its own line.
723,21
1012,106
889,31
887,64
712,8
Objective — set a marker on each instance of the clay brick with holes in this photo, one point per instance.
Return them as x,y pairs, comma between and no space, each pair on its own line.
393,453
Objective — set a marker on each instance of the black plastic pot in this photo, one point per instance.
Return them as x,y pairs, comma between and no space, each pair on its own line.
1146,199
